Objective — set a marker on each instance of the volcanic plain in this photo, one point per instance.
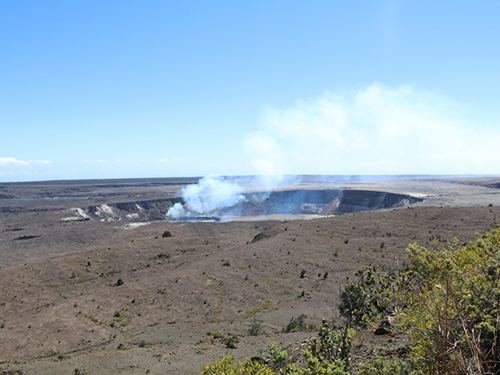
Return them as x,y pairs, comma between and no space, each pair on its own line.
92,275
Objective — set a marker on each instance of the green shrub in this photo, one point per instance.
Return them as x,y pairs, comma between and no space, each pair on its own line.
226,367
231,342
166,234
454,306
332,346
372,294
298,325
77,371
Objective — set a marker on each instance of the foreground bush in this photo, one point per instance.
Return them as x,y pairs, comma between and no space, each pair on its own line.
226,367
453,312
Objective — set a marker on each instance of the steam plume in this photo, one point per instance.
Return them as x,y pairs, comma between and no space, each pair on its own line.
206,198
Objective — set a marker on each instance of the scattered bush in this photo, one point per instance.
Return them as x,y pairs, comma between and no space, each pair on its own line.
231,342
255,326
216,335
161,256
119,282
298,325
303,273
166,234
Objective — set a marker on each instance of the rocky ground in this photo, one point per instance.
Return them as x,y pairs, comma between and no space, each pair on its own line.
113,298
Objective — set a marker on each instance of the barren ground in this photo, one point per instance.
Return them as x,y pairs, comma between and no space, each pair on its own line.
61,307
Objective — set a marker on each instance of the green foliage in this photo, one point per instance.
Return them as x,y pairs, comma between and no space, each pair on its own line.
331,346
381,366
216,334
453,313
279,357
166,234
303,273
119,282
316,366
371,295
226,367
231,342
298,325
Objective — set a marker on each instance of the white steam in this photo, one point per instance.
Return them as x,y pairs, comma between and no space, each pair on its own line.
210,195
377,130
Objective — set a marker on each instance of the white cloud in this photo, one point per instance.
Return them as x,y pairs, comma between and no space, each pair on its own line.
168,160
40,161
12,161
101,161
378,130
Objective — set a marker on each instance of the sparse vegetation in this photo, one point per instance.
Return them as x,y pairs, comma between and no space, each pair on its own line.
166,234
298,325
87,308
161,256
255,326
231,342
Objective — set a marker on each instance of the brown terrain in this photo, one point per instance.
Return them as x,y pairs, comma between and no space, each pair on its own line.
88,281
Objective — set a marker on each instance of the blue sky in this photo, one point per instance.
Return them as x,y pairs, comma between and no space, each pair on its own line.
115,89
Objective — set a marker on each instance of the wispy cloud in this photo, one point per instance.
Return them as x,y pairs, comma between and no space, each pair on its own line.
377,130
12,161
168,160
